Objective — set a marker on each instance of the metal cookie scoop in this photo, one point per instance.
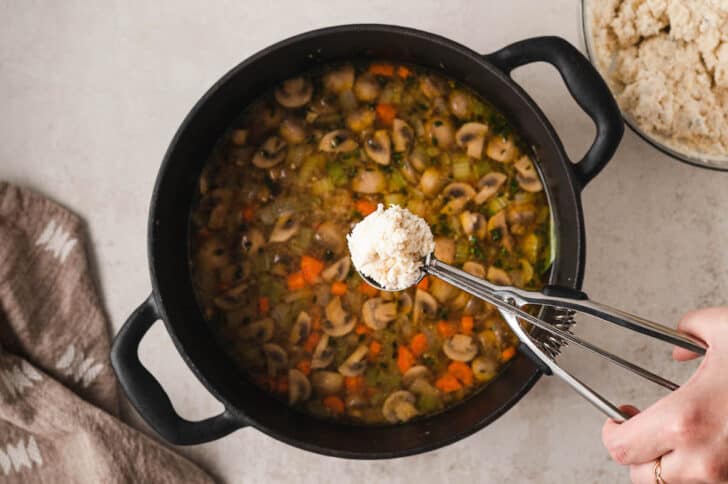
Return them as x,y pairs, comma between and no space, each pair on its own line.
509,300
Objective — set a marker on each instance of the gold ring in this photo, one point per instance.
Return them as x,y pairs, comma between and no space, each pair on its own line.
657,469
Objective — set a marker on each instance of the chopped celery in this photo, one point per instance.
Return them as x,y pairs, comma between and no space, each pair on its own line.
394,199
417,206
260,264
428,402
445,159
461,168
478,108
300,243
482,168
323,186
396,182
311,165
496,205
462,251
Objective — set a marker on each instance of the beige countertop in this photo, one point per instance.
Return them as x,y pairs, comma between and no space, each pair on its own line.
90,96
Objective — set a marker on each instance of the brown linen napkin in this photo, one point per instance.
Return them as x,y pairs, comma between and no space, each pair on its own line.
58,395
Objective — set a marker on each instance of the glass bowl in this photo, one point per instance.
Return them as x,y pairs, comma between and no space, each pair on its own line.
711,162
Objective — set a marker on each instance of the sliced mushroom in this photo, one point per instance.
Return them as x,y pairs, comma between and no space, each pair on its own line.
378,147
402,135
460,347
498,230
252,241
340,79
473,223
360,119
293,130
331,236
399,407
376,313
442,291
355,364
460,103
408,172
322,354
474,268
369,181
338,141
501,148
432,87
233,298
445,249
471,136
270,153
212,254
294,93
520,216
259,331
489,186
335,312
527,176
286,227
366,88
239,137
340,330
221,197
425,305
431,182
484,369
439,131
299,388
327,382
498,276
418,371
457,195
404,303
419,159
301,328
275,357
337,271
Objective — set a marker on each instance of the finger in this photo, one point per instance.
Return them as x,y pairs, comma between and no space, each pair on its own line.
640,439
705,324
672,470
681,354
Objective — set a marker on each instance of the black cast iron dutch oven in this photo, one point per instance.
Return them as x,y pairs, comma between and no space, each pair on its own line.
173,299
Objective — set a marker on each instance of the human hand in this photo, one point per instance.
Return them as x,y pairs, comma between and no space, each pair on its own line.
688,429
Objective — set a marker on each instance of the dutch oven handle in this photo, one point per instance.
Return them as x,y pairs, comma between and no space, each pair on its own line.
147,395
585,85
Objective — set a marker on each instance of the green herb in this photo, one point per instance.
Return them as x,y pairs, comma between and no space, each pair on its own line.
423,106
496,234
437,122
498,124
428,360
397,157
434,141
442,313
475,250
513,186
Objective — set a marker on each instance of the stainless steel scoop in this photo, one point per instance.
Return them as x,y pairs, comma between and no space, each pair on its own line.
510,300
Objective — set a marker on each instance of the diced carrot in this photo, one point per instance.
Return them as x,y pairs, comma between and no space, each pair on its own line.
462,372
334,404
368,290
311,341
403,72
365,207
362,329
448,383
296,281
263,305
386,113
354,384
424,284
248,213
311,268
382,70
282,384
304,366
466,324
338,288
445,329
375,347
405,359
508,353
418,345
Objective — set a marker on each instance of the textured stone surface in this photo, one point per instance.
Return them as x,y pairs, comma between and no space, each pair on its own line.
91,96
